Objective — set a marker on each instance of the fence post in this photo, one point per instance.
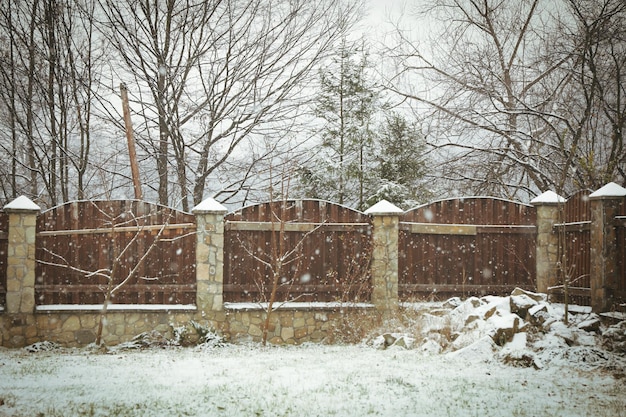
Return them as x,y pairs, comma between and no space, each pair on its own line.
605,204
386,218
209,255
20,297
547,206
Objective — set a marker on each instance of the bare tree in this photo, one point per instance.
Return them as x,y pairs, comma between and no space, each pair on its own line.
213,74
511,94
48,76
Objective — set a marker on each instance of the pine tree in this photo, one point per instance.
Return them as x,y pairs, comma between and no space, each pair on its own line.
401,166
346,104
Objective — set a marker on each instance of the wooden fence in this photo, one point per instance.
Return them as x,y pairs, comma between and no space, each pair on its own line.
4,244
619,223
326,249
620,287
575,234
466,246
81,237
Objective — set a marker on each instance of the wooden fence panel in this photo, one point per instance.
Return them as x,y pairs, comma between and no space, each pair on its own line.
78,237
4,246
620,290
330,262
470,246
576,234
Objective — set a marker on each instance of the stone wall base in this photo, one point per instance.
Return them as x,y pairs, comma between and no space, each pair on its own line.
289,326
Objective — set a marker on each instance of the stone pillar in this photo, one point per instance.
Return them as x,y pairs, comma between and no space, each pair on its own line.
547,245
21,256
605,204
386,218
209,255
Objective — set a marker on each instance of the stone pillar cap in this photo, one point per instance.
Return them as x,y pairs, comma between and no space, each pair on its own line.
549,197
610,190
384,208
209,206
22,204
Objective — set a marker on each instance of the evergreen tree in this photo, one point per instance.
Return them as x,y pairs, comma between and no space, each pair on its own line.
401,166
346,103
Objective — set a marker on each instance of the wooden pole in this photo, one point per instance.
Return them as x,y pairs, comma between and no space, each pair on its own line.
131,143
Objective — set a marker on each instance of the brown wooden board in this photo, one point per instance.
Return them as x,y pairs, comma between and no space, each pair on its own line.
577,246
331,254
463,247
620,284
4,246
89,240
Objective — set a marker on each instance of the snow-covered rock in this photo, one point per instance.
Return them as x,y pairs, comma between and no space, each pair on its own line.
520,304
538,297
614,338
481,350
517,353
399,340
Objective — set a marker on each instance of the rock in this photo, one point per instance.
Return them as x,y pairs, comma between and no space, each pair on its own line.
520,304
384,341
538,315
389,339
538,297
404,341
431,323
393,340
592,324
430,347
573,336
614,338
482,349
504,328
516,353
453,302
44,346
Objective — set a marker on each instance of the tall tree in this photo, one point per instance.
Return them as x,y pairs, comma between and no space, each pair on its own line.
400,163
346,106
508,86
49,82
213,74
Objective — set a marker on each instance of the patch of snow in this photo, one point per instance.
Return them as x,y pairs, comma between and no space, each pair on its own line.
22,203
444,363
383,207
209,206
481,350
549,197
609,190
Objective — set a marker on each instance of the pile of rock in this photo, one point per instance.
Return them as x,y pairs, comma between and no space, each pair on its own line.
522,329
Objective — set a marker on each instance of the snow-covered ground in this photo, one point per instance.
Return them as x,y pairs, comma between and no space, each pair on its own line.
444,363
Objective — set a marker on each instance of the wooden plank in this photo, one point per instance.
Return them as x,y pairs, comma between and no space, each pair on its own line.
122,229
619,221
458,288
294,227
4,235
464,229
574,291
281,289
574,226
506,229
73,288
439,229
